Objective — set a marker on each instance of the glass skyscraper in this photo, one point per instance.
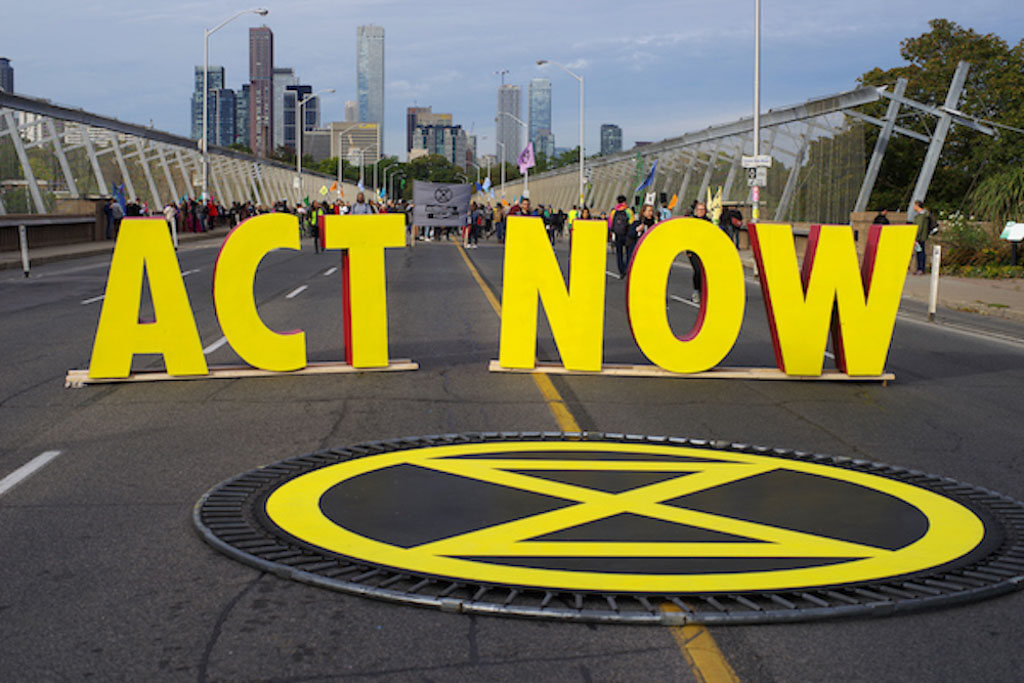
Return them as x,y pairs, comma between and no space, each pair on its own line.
6,75
507,130
540,117
370,76
611,138
261,90
215,84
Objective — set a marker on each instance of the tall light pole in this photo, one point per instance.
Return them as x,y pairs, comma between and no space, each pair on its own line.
542,62
207,32
526,177
756,191
301,128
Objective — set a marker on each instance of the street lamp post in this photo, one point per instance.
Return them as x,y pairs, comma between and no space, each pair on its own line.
207,32
301,128
755,208
526,176
579,78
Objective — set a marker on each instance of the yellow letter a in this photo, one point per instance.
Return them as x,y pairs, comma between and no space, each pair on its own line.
144,245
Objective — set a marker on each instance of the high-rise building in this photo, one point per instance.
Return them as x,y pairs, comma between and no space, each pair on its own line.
283,78
242,115
422,116
355,142
611,138
224,106
293,95
447,141
220,113
6,75
261,90
351,111
540,117
507,129
370,75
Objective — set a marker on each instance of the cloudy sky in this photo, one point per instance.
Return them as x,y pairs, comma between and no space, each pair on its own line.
658,69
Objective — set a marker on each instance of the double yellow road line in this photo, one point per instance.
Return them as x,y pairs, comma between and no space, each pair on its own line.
698,647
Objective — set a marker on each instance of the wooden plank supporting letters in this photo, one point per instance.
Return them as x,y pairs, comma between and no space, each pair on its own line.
625,370
79,378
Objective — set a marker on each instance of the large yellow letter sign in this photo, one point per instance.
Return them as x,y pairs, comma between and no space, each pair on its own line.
144,245
235,301
722,303
364,283
800,304
576,314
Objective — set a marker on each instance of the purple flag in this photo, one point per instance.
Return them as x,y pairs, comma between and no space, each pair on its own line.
526,158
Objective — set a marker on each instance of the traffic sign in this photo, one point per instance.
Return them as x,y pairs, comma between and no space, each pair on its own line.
758,161
757,176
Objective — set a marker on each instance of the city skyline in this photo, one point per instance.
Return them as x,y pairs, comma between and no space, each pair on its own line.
370,76
807,51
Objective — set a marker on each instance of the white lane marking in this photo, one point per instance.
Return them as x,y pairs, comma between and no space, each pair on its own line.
294,293
611,274
27,470
93,300
215,345
830,355
189,272
331,271
683,301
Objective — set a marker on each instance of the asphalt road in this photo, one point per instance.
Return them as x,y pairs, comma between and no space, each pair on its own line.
103,576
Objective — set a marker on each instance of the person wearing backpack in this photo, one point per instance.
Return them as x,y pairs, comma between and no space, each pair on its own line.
618,224
926,226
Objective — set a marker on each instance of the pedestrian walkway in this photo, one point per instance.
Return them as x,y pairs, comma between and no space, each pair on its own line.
42,255
993,298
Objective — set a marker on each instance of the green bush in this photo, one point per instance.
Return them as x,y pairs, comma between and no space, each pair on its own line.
990,271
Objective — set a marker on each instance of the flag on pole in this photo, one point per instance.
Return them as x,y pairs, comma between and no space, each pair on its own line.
334,186
672,202
487,184
526,160
649,179
323,190
360,186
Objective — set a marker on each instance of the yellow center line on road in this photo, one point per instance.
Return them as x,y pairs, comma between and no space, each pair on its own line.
566,422
705,659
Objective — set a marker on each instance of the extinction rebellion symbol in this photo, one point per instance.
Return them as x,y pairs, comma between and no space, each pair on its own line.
599,515
443,194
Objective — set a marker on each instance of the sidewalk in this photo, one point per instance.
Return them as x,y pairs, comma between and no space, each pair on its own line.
992,298
41,255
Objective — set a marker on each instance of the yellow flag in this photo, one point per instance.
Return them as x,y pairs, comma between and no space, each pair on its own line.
715,204
323,189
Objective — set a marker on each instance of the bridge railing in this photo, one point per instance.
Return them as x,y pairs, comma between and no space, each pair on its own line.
50,152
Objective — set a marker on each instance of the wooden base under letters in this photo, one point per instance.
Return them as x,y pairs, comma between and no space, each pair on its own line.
622,370
78,378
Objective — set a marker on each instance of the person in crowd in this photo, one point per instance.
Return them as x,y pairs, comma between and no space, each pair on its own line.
700,211
881,218
317,212
638,228
499,222
361,207
618,224
926,226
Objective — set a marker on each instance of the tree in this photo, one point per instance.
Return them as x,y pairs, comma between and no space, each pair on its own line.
433,168
994,91
240,147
